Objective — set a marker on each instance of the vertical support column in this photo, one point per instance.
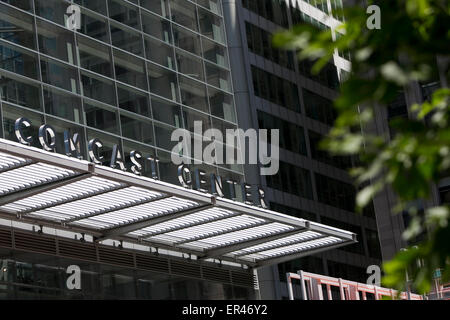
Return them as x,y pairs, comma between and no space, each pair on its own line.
316,289
376,292
364,297
330,296
341,289
289,286
303,285
357,293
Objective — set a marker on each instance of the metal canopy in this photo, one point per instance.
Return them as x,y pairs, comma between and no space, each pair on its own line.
54,190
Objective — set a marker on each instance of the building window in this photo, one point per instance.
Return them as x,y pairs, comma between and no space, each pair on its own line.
18,60
184,13
133,100
136,128
53,10
124,13
130,70
292,179
156,26
159,52
373,244
259,42
20,91
95,5
17,26
101,117
126,39
335,193
327,76
211,26
273,10
341,162
62,104
292,137
318,107
94,56
56,42
60,75
275,89
98,88
94,26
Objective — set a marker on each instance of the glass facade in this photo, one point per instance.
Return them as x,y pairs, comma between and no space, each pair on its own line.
132,73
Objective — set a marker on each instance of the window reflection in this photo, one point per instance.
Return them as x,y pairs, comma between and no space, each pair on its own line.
101,117
221,104
190,116
193,94
94,26
211,25
20,91
213,5
62,104
98,88
186,40
156,27
184,13
18,60
163,135
17,27
130,70
163,82
189,65
218,77
166,112
136,128
124,13
56,41
159,52
59,75
133,100
22,4
126,39
94,56
53,10
95,5
160,7
214,52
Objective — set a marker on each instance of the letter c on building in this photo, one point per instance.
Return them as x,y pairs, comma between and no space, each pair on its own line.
18,130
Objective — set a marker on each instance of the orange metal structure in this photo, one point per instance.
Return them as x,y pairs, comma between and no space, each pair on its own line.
312,288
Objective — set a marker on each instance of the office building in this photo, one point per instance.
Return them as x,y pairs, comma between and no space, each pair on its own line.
109,93
275,91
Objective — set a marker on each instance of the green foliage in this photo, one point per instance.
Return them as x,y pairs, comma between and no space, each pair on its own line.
404,51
